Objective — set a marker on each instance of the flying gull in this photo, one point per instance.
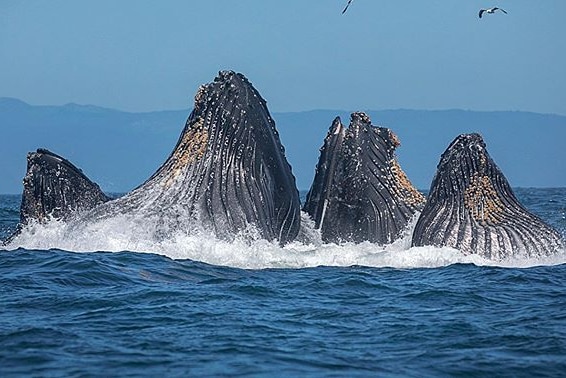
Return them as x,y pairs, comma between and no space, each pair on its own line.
491,10
347,5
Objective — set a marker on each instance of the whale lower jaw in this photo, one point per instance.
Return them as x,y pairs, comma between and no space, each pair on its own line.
517,233
471,207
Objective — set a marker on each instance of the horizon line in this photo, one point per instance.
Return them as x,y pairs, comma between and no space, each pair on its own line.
188,109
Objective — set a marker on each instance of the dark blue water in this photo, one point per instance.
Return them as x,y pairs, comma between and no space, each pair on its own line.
142,314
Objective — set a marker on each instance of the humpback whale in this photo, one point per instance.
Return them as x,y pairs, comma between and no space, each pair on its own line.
471,207
359,191
55,188
227,172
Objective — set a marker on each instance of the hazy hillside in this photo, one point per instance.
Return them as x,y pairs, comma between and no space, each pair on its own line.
116,149
119,150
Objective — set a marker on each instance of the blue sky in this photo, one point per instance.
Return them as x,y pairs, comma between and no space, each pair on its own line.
301,55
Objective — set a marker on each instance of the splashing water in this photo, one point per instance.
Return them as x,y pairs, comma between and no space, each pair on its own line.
143,234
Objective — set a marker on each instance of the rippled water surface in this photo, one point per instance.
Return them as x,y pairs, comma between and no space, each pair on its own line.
213,308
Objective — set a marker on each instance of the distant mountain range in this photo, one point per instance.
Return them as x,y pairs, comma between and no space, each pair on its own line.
119,150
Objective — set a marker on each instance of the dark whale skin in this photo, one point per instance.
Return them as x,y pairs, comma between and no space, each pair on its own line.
471,207
359,192
227,172
55,188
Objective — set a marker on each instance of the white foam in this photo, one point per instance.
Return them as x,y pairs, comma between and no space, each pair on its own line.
124,233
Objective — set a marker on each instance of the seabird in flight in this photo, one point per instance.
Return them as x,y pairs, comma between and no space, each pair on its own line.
347,5
489,10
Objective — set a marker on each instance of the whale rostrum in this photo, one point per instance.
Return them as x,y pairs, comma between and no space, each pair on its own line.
359,192
471,207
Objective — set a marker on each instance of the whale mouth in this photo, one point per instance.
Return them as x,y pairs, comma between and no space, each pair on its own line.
55,188
227,173
360,193
472,207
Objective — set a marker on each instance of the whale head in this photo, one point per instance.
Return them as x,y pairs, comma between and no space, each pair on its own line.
472,207
227,172
359,191
55,188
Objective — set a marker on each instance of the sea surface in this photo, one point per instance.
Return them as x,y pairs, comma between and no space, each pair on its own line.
115,303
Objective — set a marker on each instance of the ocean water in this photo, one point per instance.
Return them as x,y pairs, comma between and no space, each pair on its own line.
114,303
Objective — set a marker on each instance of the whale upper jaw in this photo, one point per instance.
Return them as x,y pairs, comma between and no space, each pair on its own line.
359,192
472,207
